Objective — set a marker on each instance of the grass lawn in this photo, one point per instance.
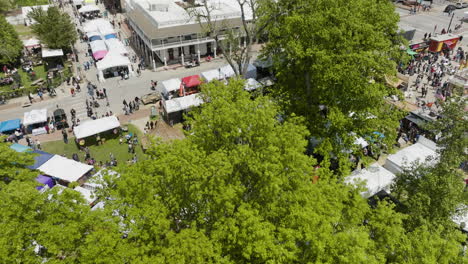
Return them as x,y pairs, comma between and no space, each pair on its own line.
23,31
31,2
99,153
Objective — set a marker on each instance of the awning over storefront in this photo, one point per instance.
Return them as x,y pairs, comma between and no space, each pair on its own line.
10,125
191,81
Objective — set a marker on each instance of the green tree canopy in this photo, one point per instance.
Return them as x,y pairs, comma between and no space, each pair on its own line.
331,58
11,46
54,28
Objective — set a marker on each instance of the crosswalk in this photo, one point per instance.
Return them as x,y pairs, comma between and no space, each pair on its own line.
78,102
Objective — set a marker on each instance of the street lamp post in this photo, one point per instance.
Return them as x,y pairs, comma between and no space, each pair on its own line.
448,29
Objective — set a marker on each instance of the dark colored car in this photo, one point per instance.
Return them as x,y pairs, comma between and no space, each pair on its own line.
151,98
449,8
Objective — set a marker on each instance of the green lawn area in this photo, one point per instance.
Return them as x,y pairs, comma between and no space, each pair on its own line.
23,31
99,153
31,2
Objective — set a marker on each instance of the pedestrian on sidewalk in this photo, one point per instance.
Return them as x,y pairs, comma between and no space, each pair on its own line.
125,103
39,93
30,98
104,91
65,136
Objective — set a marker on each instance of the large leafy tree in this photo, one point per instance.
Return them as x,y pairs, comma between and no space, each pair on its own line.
331,58
11,46
54,28
13,165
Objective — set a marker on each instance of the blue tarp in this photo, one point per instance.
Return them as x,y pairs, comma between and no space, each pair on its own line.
44,180
40,158
93,38
110,36
19,148
10,125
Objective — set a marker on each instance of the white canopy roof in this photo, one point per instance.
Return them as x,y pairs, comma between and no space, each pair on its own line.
46,52
31,42
93,127
65,169
251,72
463,218
116,45
99,24
361,142
170,85
87,194
418,152
88,8
112,59
98,45
182,103
35,117
227,71
251,84
210,75
376,178
77,2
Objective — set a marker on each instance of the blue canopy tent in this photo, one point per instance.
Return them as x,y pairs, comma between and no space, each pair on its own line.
19,148
40,159
110,36
10,125
44,180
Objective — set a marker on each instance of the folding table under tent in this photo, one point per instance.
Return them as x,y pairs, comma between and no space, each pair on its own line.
112,60
93,127
210,75
375,177
10,125
64,169
40,158
47,181
19,148
88,8
423,152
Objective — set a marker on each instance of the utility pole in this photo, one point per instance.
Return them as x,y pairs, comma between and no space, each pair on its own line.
448,29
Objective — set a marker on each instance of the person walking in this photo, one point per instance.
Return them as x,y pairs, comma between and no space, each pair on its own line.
125,103
104,91
65,136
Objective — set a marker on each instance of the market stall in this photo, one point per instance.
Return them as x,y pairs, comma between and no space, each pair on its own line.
40,157
88,9
112,64
252,84
31,43
94,127
189,85
251,72
227,71
117,46
98,49
375,177
174,108
88,195
66,170
46,182
169,87
9,126
35,121
443,42
210,75
423,152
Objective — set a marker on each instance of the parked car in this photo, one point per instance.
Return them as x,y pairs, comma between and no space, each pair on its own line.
461,5
449,8
151,98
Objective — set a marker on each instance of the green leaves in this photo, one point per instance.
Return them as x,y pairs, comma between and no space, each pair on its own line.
54,28
12,46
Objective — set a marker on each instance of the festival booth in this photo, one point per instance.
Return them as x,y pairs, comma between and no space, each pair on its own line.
251,72
110,36
89,11
189,85
424,151
375,177
35,121
443,42
98,48
226,71
78,3
88,195
96,127
419,47
53,58
40,158
462,219
174,108
32,43
93,36
19,148
169,87
46,182
112,64
251,85
116,45
9,126
65,170
210,75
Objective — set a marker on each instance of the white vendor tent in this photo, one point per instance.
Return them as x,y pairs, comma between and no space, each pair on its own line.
32,42
251,84
89,196
462,220
170,85
90,26
35,117
422,152
64,169
361,142
182,103
47,53
227,71
210,75
375,177
98,45
116,45
251,72
93,127
88,8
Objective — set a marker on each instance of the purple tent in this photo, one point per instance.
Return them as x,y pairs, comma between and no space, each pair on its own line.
44,180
